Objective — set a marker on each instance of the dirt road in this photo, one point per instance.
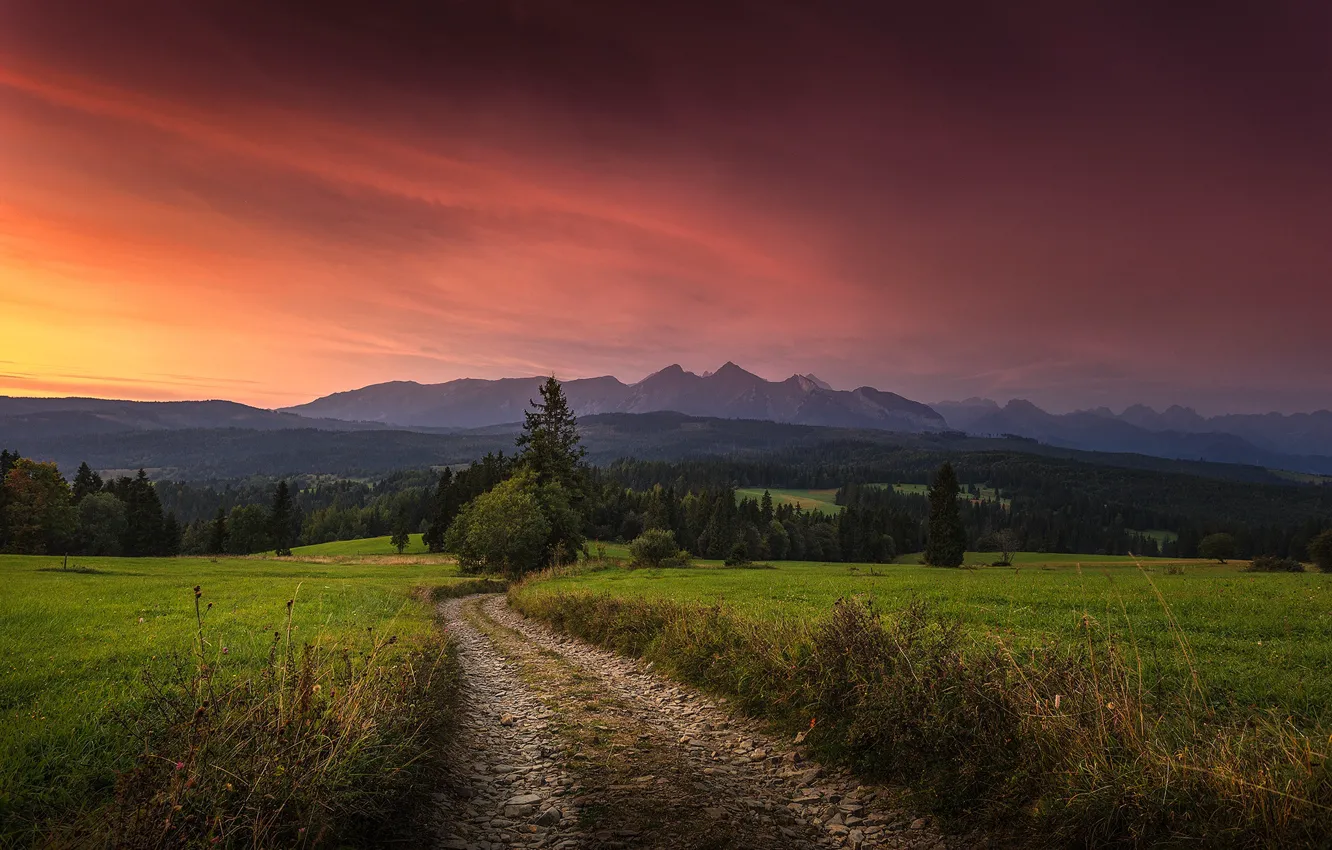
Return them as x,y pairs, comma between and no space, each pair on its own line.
566,745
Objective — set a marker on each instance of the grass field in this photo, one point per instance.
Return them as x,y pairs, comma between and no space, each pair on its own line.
364,546
811,500
77,645
1259,639
1079,701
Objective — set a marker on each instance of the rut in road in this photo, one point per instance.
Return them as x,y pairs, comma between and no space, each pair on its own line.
566,745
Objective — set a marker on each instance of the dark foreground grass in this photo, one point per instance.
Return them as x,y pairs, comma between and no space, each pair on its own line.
1063,743
102,679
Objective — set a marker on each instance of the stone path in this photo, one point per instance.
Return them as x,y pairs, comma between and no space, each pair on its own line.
564,745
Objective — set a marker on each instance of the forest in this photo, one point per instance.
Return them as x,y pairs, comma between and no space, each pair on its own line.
1049,504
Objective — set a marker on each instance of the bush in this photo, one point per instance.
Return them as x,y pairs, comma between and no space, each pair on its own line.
657,548
1273,564
503,530
739,556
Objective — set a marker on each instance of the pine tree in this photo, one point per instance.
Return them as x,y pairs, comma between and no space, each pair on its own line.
552,453
217,533
443,508
947,541
280,520
143,515
86,482
549,443
172,534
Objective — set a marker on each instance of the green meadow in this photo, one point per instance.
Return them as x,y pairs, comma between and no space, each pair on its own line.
1255,640
364,546
823,501
77,645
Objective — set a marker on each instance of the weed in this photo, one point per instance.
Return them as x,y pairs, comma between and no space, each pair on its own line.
466,587
321,746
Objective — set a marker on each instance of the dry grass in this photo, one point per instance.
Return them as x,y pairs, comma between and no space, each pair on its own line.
325,746
1065,743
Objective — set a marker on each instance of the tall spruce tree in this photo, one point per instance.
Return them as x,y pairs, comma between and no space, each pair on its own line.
549,444
551,450
280,520
444,506
86,482
947,541
217,533
144,533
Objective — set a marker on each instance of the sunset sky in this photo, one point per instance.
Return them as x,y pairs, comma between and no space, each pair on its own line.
273,201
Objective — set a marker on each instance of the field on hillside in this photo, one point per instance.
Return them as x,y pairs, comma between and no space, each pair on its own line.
77,645
822,501
363,546
1259,640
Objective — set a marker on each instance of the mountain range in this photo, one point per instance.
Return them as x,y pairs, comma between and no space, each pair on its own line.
728,393
1299,442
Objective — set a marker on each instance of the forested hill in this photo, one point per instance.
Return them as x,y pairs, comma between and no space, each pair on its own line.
222,453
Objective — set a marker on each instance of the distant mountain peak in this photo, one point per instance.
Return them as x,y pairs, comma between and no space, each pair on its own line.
731,392
730,369
814,379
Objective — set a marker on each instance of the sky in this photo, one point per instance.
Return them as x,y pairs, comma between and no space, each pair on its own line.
1080,204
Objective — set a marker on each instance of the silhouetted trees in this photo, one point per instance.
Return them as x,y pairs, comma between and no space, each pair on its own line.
947,541
283,524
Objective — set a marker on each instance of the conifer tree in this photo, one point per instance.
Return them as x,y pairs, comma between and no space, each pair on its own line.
947,541
86,482
172,535
549,443
550,449
444,507
279,520
217,533
143,516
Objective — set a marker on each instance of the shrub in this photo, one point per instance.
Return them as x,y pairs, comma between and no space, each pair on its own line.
1273,564
739,556
503,530
653,548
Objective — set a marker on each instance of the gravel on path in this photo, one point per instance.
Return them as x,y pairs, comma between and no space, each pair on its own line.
563,744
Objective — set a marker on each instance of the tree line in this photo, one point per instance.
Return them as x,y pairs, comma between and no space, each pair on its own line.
544,501
42,513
